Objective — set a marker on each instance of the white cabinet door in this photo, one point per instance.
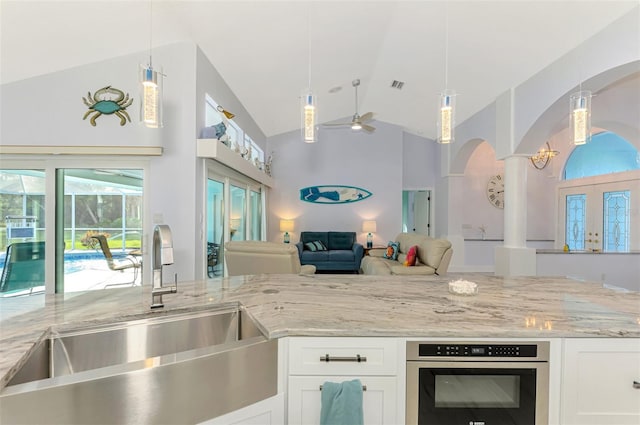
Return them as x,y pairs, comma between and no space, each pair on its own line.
378,400
598,381
265,412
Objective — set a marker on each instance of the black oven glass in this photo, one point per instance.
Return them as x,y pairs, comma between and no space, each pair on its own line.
476,396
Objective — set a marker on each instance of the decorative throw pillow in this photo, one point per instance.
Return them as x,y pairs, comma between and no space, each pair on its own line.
315,246
412,255
392,250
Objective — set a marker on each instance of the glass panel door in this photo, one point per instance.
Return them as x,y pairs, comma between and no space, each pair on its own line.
101,224
22,232
237,221
599,216
255,216
215,227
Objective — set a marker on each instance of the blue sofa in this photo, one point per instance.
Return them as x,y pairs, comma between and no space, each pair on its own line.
343,252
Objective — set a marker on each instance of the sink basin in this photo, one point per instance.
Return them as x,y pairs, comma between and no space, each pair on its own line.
140,371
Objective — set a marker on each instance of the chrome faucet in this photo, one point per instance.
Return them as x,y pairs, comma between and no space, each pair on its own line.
162,256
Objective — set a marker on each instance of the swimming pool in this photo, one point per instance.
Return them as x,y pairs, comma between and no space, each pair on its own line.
78,261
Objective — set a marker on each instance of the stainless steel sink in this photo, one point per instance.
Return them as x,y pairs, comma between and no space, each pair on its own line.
180,368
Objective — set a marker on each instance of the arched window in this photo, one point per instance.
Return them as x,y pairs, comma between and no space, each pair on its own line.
606,153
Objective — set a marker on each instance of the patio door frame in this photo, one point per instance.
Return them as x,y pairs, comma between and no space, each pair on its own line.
50,164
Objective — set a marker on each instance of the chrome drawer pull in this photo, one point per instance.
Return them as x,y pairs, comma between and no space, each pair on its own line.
364,388
636,385
358,358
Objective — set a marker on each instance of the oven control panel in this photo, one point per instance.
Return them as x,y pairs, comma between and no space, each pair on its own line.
477,350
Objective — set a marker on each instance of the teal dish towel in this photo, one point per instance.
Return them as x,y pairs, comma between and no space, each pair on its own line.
342,403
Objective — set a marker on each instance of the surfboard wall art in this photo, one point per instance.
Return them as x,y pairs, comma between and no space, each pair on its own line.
333,194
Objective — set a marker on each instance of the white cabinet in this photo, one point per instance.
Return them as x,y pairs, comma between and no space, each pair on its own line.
313,361
598,377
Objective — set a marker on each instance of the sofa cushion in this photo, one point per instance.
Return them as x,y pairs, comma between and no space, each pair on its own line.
341,255
392,250
315,236
341,240
417,270
315,246
310,257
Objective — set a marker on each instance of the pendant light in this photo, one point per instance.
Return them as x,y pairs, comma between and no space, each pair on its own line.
309,111
446,106
150,86
580,116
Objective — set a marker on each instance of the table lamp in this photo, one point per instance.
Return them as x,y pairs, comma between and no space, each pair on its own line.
369,226
286,226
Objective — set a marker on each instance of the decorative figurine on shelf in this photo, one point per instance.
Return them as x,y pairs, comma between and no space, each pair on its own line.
267,164
566,248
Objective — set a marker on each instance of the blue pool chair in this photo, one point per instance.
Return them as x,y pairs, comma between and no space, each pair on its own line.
23,268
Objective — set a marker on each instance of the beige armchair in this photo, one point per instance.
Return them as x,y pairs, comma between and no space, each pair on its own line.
258,257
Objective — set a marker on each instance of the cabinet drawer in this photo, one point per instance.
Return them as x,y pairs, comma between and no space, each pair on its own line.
343,356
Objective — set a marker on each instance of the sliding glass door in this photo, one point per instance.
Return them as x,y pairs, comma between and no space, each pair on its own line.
244,200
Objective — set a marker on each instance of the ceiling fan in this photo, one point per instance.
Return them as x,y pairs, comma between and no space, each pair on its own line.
358,121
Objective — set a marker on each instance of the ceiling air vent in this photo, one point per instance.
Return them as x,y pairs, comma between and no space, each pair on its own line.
397,84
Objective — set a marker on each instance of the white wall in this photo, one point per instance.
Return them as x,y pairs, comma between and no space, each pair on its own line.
48,110
340,157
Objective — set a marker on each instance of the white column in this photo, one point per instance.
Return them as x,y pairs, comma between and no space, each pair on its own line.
514,258
515,202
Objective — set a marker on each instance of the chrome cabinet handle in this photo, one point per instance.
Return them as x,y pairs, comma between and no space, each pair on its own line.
358,358
636,385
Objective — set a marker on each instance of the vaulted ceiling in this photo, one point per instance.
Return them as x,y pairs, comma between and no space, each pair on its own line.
265,49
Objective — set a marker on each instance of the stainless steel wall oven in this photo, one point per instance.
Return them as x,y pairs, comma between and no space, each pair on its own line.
477,383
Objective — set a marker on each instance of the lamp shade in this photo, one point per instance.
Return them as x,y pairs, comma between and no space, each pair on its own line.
286,225
369,226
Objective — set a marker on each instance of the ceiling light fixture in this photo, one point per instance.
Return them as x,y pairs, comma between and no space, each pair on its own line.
446,106
150,86
580,116
543,156
309,111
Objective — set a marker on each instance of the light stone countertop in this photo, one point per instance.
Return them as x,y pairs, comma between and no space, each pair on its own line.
346,305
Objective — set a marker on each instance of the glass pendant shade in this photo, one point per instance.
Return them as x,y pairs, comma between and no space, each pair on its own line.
580,117
150,97
446,117
309,118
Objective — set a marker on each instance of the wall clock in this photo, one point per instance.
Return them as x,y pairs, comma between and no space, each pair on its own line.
495,191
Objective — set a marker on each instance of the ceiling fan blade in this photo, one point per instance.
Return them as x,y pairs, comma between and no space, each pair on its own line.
366,117
332,124
368,128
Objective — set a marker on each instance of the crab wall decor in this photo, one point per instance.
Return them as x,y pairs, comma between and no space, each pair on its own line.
108,100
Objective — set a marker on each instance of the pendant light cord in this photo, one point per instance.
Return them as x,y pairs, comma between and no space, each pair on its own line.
309,41
150,31
446,45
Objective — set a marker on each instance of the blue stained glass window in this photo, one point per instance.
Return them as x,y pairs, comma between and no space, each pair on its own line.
616,220
575,219
605,153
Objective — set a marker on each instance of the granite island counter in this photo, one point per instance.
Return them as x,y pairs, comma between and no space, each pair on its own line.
347,305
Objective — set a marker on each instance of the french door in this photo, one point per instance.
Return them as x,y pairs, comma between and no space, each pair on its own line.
601,216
